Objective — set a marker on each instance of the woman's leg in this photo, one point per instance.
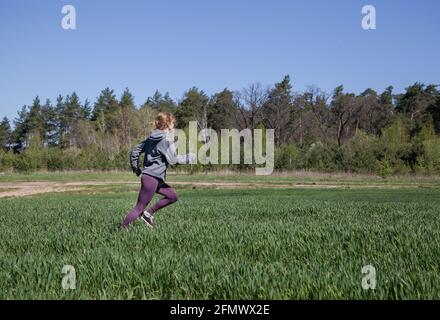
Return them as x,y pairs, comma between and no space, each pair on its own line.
170,196
148,188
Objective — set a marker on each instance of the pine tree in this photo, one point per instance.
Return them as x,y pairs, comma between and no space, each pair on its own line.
69,112
50,124
86,110
5,132
224,111
278,108
126,114
20,132
29,123
161,103
375,111
59,109
434,110
415,104
194,107
35,121
105,109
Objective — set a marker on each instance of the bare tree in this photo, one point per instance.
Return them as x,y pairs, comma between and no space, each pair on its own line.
142,120
344,108
250,102
317,103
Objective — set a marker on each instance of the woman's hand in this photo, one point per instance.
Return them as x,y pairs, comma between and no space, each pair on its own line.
191,157
137,171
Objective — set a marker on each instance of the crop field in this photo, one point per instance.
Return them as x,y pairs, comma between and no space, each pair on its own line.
283,243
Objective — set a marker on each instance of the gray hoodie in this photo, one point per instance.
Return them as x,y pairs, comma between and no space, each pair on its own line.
160,151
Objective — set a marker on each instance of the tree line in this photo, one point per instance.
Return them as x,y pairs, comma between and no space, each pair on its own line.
380,132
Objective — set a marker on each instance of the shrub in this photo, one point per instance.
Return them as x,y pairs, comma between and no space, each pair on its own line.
360,153
384,168
285,157
55,160
24,163
6,160
429,161
320,157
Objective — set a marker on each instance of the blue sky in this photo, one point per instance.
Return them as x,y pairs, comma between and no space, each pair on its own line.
212,44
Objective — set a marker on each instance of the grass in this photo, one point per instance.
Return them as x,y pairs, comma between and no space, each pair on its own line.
225,244
6,189
65,176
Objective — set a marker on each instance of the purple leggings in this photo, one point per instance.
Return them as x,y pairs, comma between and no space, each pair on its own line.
149,187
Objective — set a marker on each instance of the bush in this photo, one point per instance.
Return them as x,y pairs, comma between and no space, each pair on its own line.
321,157
25,163
55,160
285,157
360,153
91,158
6,160
395,151
429,161
384,169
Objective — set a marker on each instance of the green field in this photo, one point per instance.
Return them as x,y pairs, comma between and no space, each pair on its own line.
225,244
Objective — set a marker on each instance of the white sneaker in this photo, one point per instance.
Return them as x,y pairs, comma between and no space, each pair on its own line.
147,219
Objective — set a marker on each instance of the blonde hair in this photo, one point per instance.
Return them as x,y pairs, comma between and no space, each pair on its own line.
163,120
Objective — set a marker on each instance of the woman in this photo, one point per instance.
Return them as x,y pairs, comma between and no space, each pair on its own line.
160,151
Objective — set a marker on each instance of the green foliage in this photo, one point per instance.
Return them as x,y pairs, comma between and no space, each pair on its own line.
394,150
6,160
396,134
417,105
160,103
5,132
24,163
224,108
379,133
320,157
384,169
56,161
194,106
360,153
285,157
429,161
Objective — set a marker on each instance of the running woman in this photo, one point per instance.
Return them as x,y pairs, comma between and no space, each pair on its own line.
160,151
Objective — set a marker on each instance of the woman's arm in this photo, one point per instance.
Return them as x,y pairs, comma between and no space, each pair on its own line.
134,157
168,149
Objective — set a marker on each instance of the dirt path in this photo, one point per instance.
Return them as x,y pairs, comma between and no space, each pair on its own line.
22,189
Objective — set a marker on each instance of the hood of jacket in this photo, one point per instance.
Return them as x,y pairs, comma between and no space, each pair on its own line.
157,135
